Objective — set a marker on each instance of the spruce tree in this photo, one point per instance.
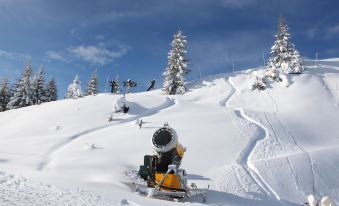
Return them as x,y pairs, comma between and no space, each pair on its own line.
129,84
74,90
39,92
259,84
297,63
116,86
92,87
174,75
284,58
23,90
51,91
5,94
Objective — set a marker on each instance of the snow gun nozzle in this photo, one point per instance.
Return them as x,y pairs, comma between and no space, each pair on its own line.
164,139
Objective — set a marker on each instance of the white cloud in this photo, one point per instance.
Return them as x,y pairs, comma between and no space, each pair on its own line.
54,55
113,16
100,53
323,30
97,54
311,33
237,3
99,37
14,55
244,49
332,31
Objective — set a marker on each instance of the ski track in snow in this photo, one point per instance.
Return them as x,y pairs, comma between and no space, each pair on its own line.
237,178
326,88
246,153
243,158
303,151
322,81
286,157
275,107
169,103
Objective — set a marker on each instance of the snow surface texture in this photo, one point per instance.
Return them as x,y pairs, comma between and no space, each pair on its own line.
272,147
20,191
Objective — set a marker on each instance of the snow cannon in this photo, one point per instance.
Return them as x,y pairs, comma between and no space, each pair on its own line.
161,171
165,144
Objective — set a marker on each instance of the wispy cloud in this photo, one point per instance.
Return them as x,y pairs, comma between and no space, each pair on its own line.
332,52
332,31
96,54
113,16
116,15
55,55
237,3
99,37
14,55
323,30
312,32
243,49
99,54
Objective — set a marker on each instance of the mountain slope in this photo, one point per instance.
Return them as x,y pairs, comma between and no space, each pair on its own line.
273,147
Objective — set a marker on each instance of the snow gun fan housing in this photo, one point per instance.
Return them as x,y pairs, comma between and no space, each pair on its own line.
164,139
170,152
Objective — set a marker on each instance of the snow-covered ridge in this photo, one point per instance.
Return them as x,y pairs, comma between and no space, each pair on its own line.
272,147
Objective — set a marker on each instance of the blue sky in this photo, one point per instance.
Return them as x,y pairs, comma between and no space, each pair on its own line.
131,37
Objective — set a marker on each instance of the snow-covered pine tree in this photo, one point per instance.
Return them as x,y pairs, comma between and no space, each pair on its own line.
129,84
283,52
116,86
92,86
23,90
259,84
174,75
5,94
51,91
297,63
39,92
74,90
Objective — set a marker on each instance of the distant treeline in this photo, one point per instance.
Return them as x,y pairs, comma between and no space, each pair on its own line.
28,90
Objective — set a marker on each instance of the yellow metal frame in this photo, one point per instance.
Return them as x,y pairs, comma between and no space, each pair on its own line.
171,181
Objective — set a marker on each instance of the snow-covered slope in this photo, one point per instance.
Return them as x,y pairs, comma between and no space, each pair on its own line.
273,147
298,153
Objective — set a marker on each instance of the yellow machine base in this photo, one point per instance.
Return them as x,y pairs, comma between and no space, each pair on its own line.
171,182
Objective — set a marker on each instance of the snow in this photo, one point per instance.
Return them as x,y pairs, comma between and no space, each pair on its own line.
330,60
17,190
271,147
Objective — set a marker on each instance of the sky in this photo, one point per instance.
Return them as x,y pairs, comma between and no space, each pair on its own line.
131,38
